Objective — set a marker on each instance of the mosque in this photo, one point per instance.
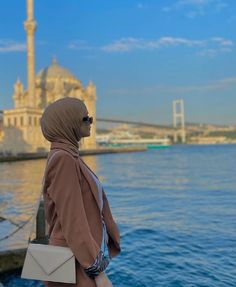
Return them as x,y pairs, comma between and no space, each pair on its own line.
20,130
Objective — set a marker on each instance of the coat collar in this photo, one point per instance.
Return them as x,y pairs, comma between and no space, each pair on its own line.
93,186
82,165
65,146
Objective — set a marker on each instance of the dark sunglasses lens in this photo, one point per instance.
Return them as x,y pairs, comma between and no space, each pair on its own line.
88,119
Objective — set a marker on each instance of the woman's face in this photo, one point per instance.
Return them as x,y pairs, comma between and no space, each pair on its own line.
85,125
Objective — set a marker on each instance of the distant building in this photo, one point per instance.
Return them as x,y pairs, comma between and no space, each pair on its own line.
1,125
209,140
20,127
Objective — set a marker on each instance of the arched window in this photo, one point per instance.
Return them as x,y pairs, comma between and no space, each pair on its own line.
15,121
9,122
21,121
30,120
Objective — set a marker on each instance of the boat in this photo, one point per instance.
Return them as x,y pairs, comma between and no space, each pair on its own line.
129,139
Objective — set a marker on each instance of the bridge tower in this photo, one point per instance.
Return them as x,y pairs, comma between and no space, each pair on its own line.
178,120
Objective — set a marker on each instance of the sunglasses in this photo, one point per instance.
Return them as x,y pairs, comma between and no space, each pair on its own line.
88,119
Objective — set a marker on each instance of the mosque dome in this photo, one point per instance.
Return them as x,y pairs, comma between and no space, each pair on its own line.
55,71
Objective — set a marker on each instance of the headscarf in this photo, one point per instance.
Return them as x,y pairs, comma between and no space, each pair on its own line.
62,119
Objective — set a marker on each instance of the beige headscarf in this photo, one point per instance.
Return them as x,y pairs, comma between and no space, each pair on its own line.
61,121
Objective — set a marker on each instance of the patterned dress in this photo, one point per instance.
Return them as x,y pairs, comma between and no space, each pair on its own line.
100,263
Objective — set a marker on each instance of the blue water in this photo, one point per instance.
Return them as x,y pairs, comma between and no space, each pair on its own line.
176,211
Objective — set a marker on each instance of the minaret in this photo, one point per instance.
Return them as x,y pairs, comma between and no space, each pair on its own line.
30,27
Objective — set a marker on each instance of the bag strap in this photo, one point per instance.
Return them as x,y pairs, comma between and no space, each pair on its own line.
39,199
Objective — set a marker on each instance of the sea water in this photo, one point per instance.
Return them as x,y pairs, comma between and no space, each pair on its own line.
175,208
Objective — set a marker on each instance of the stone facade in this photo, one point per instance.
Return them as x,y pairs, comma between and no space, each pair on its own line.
1,125
21,125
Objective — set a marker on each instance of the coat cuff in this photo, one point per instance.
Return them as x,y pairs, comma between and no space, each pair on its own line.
99,265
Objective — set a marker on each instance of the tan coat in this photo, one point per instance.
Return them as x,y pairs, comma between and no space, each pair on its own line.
72,211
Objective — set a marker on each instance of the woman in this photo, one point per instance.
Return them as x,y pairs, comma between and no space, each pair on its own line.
76,207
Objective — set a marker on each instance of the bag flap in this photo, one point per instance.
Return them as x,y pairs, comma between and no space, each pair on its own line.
49,257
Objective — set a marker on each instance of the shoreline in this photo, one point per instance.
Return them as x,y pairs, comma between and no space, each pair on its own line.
98,151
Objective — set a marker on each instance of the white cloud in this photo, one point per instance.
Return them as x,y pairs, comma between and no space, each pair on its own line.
231,19
8,46
172,41
220,6
221,84
222,41
194,8
79,45
202,47
191,14
210,47
208,53
194,2
211,53
126,44
129,44
227,81
140,6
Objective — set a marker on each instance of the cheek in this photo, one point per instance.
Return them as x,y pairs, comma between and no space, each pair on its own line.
86,130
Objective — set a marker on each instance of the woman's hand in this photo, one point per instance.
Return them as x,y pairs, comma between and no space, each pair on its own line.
102,280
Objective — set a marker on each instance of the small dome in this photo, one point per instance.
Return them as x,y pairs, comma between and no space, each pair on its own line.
55,71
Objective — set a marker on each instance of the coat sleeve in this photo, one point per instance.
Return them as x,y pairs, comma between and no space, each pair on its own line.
65,190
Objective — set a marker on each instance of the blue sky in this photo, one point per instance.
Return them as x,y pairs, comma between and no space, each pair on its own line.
141,55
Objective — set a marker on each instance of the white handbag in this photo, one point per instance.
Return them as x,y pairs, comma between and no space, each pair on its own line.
49,262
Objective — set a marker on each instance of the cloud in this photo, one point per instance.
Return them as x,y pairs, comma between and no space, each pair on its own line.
221,84
213,52
79,45
227,81
218,45
210,47
9,46
125,45
222,42
140,6
171,41
231,19
194,8
191,14
129,44
205,47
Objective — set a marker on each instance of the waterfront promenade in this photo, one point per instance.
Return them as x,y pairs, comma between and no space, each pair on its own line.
100,150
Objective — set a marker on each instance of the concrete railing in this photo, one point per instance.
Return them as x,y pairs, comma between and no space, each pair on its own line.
11,260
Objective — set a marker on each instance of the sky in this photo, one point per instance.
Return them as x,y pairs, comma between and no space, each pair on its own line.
141,55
